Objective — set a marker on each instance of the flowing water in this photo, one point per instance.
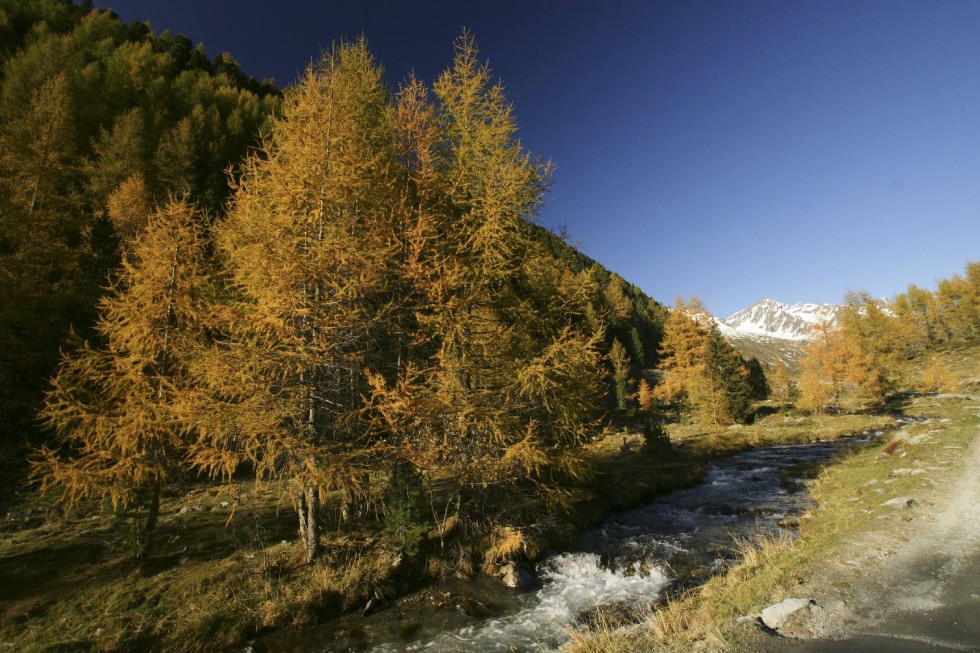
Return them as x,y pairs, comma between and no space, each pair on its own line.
622,567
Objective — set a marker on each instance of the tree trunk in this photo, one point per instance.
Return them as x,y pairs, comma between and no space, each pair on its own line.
308,511
145,537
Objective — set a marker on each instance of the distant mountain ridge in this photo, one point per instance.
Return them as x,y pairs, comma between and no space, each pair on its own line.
774,332
773,319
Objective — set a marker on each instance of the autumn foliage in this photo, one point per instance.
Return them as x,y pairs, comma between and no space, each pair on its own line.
871,351
375,312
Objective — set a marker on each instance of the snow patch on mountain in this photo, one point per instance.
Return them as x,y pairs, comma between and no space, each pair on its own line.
772,319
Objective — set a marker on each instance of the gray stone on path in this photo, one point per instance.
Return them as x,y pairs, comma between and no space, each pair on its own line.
779,615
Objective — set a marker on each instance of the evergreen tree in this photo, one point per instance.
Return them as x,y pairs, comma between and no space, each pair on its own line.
719,395
758,383
636,348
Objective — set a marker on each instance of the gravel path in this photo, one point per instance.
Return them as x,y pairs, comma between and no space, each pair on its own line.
909,588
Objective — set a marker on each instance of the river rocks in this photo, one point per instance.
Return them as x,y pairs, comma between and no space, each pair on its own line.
381,594
371,605
475,609
514,577
789,617
906,471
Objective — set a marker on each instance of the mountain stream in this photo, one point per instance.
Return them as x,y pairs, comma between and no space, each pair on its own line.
621,568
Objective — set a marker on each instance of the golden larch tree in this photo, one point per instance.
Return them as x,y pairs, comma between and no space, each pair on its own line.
681,352
701,370
112,407
305,244
780,382
834,367
501,381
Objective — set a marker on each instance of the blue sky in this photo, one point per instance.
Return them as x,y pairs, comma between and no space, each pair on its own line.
729,150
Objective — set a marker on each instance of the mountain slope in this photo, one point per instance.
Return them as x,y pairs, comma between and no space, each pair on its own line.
774,319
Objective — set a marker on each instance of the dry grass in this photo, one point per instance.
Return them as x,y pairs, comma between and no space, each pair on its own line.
698,618
695,619
221,574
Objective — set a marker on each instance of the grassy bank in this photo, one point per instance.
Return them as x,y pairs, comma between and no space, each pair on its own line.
226,567
850,495
781,427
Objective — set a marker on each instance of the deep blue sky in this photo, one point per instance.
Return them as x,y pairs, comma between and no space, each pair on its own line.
729,150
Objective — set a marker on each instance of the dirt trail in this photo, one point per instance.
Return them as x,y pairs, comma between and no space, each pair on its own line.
913,586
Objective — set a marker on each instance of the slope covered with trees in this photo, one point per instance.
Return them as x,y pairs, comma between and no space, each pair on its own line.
873,349
99,121
338,291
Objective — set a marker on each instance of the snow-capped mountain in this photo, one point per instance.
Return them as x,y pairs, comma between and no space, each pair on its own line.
775,332
774,319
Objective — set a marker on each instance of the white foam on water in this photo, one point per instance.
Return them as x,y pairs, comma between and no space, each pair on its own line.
573,583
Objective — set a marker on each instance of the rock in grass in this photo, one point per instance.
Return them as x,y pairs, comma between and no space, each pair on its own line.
900,502
780,616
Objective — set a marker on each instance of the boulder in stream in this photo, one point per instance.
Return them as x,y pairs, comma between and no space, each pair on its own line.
514,577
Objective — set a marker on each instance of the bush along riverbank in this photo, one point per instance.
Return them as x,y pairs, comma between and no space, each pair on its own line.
873,506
